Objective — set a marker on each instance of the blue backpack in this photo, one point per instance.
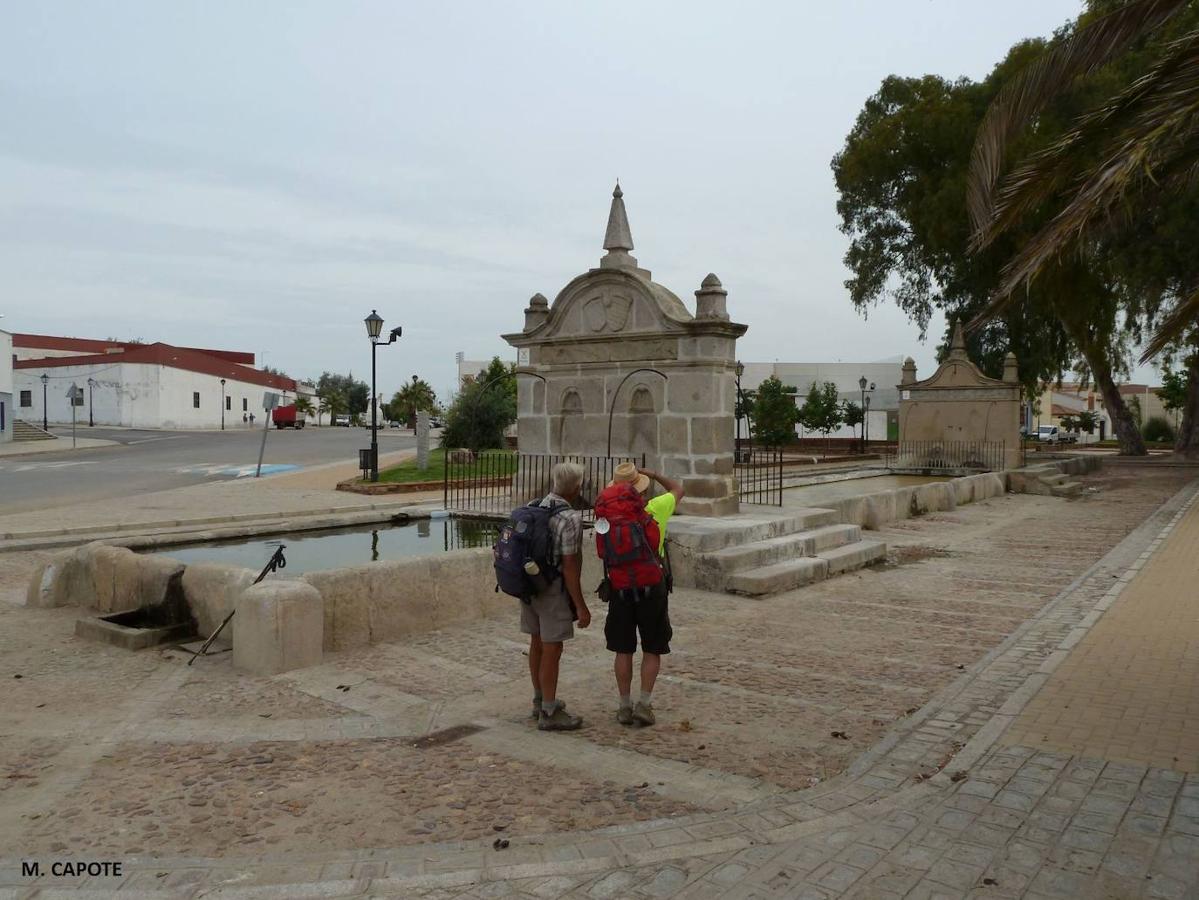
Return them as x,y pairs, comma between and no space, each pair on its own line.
526,538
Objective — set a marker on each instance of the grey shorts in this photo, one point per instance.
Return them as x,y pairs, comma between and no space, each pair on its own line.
549,615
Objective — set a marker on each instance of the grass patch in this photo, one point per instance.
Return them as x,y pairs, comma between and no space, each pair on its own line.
490,463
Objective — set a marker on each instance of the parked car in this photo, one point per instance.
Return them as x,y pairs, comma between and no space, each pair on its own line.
1050,434
342,420
436,423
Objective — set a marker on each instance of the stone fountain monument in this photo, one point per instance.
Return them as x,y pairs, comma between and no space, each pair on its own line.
623,368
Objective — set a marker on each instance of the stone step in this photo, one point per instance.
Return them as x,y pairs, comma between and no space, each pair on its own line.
775,579
1066,489
23,431
707,535
1055,478
760,553
853,556
788,546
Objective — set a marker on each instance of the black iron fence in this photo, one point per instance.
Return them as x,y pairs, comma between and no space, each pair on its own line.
759,472
494,482
984,456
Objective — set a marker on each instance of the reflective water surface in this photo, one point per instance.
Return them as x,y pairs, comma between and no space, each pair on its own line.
309,551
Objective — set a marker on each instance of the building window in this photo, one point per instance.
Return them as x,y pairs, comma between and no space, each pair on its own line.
196,399
228,403
26,399
245,404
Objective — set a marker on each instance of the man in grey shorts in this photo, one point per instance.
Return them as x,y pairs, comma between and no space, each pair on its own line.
548,618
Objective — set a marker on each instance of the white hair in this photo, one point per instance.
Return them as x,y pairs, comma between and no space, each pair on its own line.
567,478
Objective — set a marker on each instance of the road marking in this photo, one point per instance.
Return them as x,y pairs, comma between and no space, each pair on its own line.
227,470
30,467
178,437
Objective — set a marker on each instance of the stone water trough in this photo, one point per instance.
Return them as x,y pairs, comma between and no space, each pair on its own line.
138,600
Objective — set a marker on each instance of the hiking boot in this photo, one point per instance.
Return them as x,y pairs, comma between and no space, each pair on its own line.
535,715
643,713
624,715
561,720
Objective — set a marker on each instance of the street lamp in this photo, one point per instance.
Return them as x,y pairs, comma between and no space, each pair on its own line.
866,417
740,370
45,417
91,418
862,388
222,404
374,327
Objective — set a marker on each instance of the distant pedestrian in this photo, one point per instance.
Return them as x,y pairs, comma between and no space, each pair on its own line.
245,420
251,420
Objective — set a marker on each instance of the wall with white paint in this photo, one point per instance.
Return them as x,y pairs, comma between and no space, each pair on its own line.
6,386
139,395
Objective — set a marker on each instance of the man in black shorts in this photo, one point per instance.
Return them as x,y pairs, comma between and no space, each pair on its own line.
648,615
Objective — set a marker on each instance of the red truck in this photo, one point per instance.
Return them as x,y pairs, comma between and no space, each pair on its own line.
285,417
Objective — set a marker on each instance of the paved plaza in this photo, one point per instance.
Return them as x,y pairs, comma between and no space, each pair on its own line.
1005,708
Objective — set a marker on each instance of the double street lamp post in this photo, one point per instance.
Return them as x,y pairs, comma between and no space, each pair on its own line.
222,404
45,414
91,416
374,327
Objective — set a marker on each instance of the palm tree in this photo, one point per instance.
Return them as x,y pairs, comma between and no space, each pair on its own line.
304,407
408,400
1144,137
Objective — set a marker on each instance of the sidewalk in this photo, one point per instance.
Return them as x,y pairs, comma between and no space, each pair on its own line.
32,448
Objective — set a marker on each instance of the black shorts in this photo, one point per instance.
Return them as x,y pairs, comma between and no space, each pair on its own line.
648,614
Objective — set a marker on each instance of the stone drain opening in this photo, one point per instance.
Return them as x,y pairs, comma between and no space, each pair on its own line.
147,626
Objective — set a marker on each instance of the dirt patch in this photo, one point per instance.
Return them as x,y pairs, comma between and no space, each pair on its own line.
206,799
913,553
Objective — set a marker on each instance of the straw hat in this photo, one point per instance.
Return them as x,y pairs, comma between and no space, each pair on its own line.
626,473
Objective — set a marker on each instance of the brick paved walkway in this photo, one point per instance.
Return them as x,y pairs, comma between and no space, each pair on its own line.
1129,690
1004,814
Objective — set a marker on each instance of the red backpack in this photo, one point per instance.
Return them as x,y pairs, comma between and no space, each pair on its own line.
629,548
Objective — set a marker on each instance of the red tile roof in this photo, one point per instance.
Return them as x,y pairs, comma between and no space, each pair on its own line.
166,355
89,345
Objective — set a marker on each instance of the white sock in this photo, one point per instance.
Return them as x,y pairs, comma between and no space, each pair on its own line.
626,701
647,697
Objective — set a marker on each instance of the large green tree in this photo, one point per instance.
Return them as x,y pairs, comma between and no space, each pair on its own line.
483,409
1118,183
354,395
902,179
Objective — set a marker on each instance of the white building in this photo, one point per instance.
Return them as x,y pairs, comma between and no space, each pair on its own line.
139,385
6,386
882,379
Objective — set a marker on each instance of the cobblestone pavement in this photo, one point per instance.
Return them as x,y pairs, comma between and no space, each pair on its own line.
390,771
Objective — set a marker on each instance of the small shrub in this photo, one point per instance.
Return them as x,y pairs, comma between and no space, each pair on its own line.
1158,429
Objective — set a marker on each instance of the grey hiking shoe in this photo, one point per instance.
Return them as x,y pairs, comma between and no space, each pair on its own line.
535,715
624,715
644,713
561,720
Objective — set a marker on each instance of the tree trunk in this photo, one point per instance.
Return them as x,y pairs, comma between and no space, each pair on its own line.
1123,424
1188,432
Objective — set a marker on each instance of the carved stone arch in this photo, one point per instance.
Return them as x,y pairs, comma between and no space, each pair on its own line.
571,438
643,422
641,401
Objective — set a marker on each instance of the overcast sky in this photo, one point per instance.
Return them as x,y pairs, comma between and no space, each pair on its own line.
259,176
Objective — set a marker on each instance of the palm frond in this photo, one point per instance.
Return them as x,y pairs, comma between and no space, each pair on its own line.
1161,124
1183,318
1024,96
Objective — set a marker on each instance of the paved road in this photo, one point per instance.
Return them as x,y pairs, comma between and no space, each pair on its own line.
159,460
